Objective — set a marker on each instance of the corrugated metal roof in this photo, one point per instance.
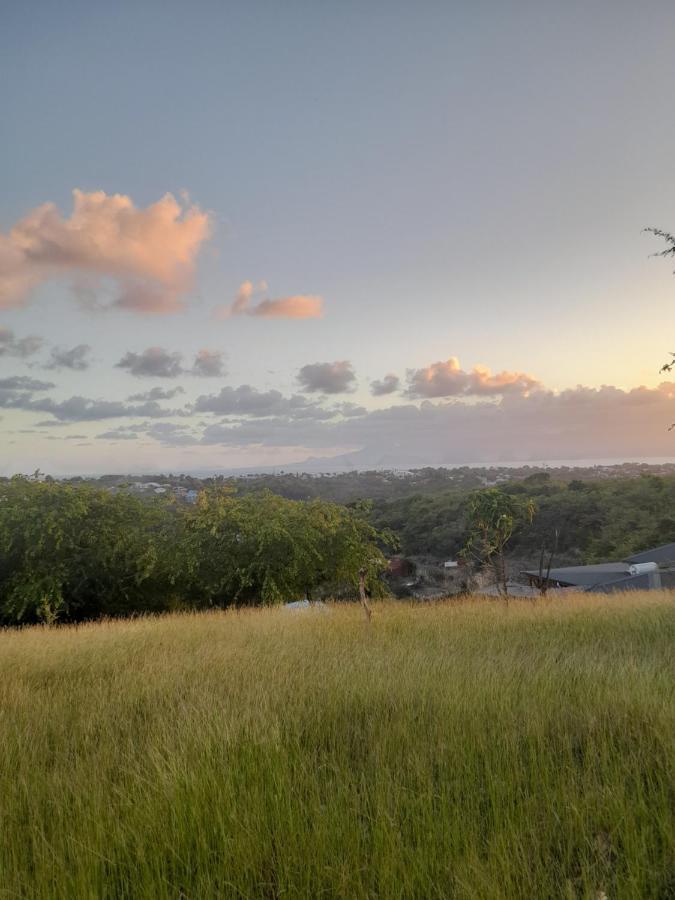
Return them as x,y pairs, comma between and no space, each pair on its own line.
632,583
663,555
585,576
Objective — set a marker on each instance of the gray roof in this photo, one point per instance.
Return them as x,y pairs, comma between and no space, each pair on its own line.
668,580
585,576
663,555
632,583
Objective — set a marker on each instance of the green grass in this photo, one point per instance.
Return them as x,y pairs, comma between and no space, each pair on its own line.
453,750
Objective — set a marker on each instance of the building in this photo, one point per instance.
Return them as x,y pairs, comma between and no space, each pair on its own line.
400,567
648,570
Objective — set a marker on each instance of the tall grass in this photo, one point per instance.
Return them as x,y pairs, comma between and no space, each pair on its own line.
452,750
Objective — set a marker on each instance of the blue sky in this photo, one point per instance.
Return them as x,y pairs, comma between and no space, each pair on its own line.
453,180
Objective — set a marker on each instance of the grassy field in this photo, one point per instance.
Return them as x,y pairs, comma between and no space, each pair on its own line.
451,750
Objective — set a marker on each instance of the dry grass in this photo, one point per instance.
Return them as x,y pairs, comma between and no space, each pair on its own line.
449,750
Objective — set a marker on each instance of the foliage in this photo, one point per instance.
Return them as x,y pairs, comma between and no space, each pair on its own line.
351,487
493,516
239,549
446,751
669,249
597,520
72,553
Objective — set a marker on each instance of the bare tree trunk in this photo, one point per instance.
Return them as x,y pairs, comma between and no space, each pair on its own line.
362,594
502,580
542,585
544,580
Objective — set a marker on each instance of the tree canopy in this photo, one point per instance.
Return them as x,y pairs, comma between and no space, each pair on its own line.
71,553
492,517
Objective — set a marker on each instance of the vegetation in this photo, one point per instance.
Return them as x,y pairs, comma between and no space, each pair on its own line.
669,249
595,520
266,548
73,553
379,485
451,750
493,517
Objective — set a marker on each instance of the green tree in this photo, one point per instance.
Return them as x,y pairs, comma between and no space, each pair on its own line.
493,516
77,552
265,548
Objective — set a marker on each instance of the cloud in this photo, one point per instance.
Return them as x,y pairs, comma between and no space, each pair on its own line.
117,434
296,306
24,383
157,393
149,253
83,409
241,301
166,433
448,379
75,358
388,385
155,362
19,347
248,401
327,378
209,364
580,423
350,410
18,392
171,435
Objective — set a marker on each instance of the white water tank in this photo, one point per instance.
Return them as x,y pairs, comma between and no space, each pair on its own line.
643,568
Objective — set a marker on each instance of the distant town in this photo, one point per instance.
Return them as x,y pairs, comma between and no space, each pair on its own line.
373,483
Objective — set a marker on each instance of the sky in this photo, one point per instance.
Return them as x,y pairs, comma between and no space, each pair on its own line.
242,235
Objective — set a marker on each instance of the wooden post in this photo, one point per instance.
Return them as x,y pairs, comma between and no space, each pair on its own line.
362,594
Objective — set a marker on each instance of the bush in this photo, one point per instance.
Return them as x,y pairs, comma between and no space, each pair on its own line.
73,553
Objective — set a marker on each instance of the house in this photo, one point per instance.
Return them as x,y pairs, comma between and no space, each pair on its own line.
400,567
648,570
663,555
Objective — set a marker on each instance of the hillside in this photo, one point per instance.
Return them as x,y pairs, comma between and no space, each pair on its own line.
599,512
596,519
454,750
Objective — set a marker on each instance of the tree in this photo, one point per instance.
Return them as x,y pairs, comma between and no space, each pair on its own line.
669,250
493,517
69,553
265,549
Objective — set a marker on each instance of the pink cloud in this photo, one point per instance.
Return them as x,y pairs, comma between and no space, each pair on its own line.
448,379
297,306
209,363
150,253
579,423
242,299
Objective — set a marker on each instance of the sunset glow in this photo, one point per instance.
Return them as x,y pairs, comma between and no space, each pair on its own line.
402,239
